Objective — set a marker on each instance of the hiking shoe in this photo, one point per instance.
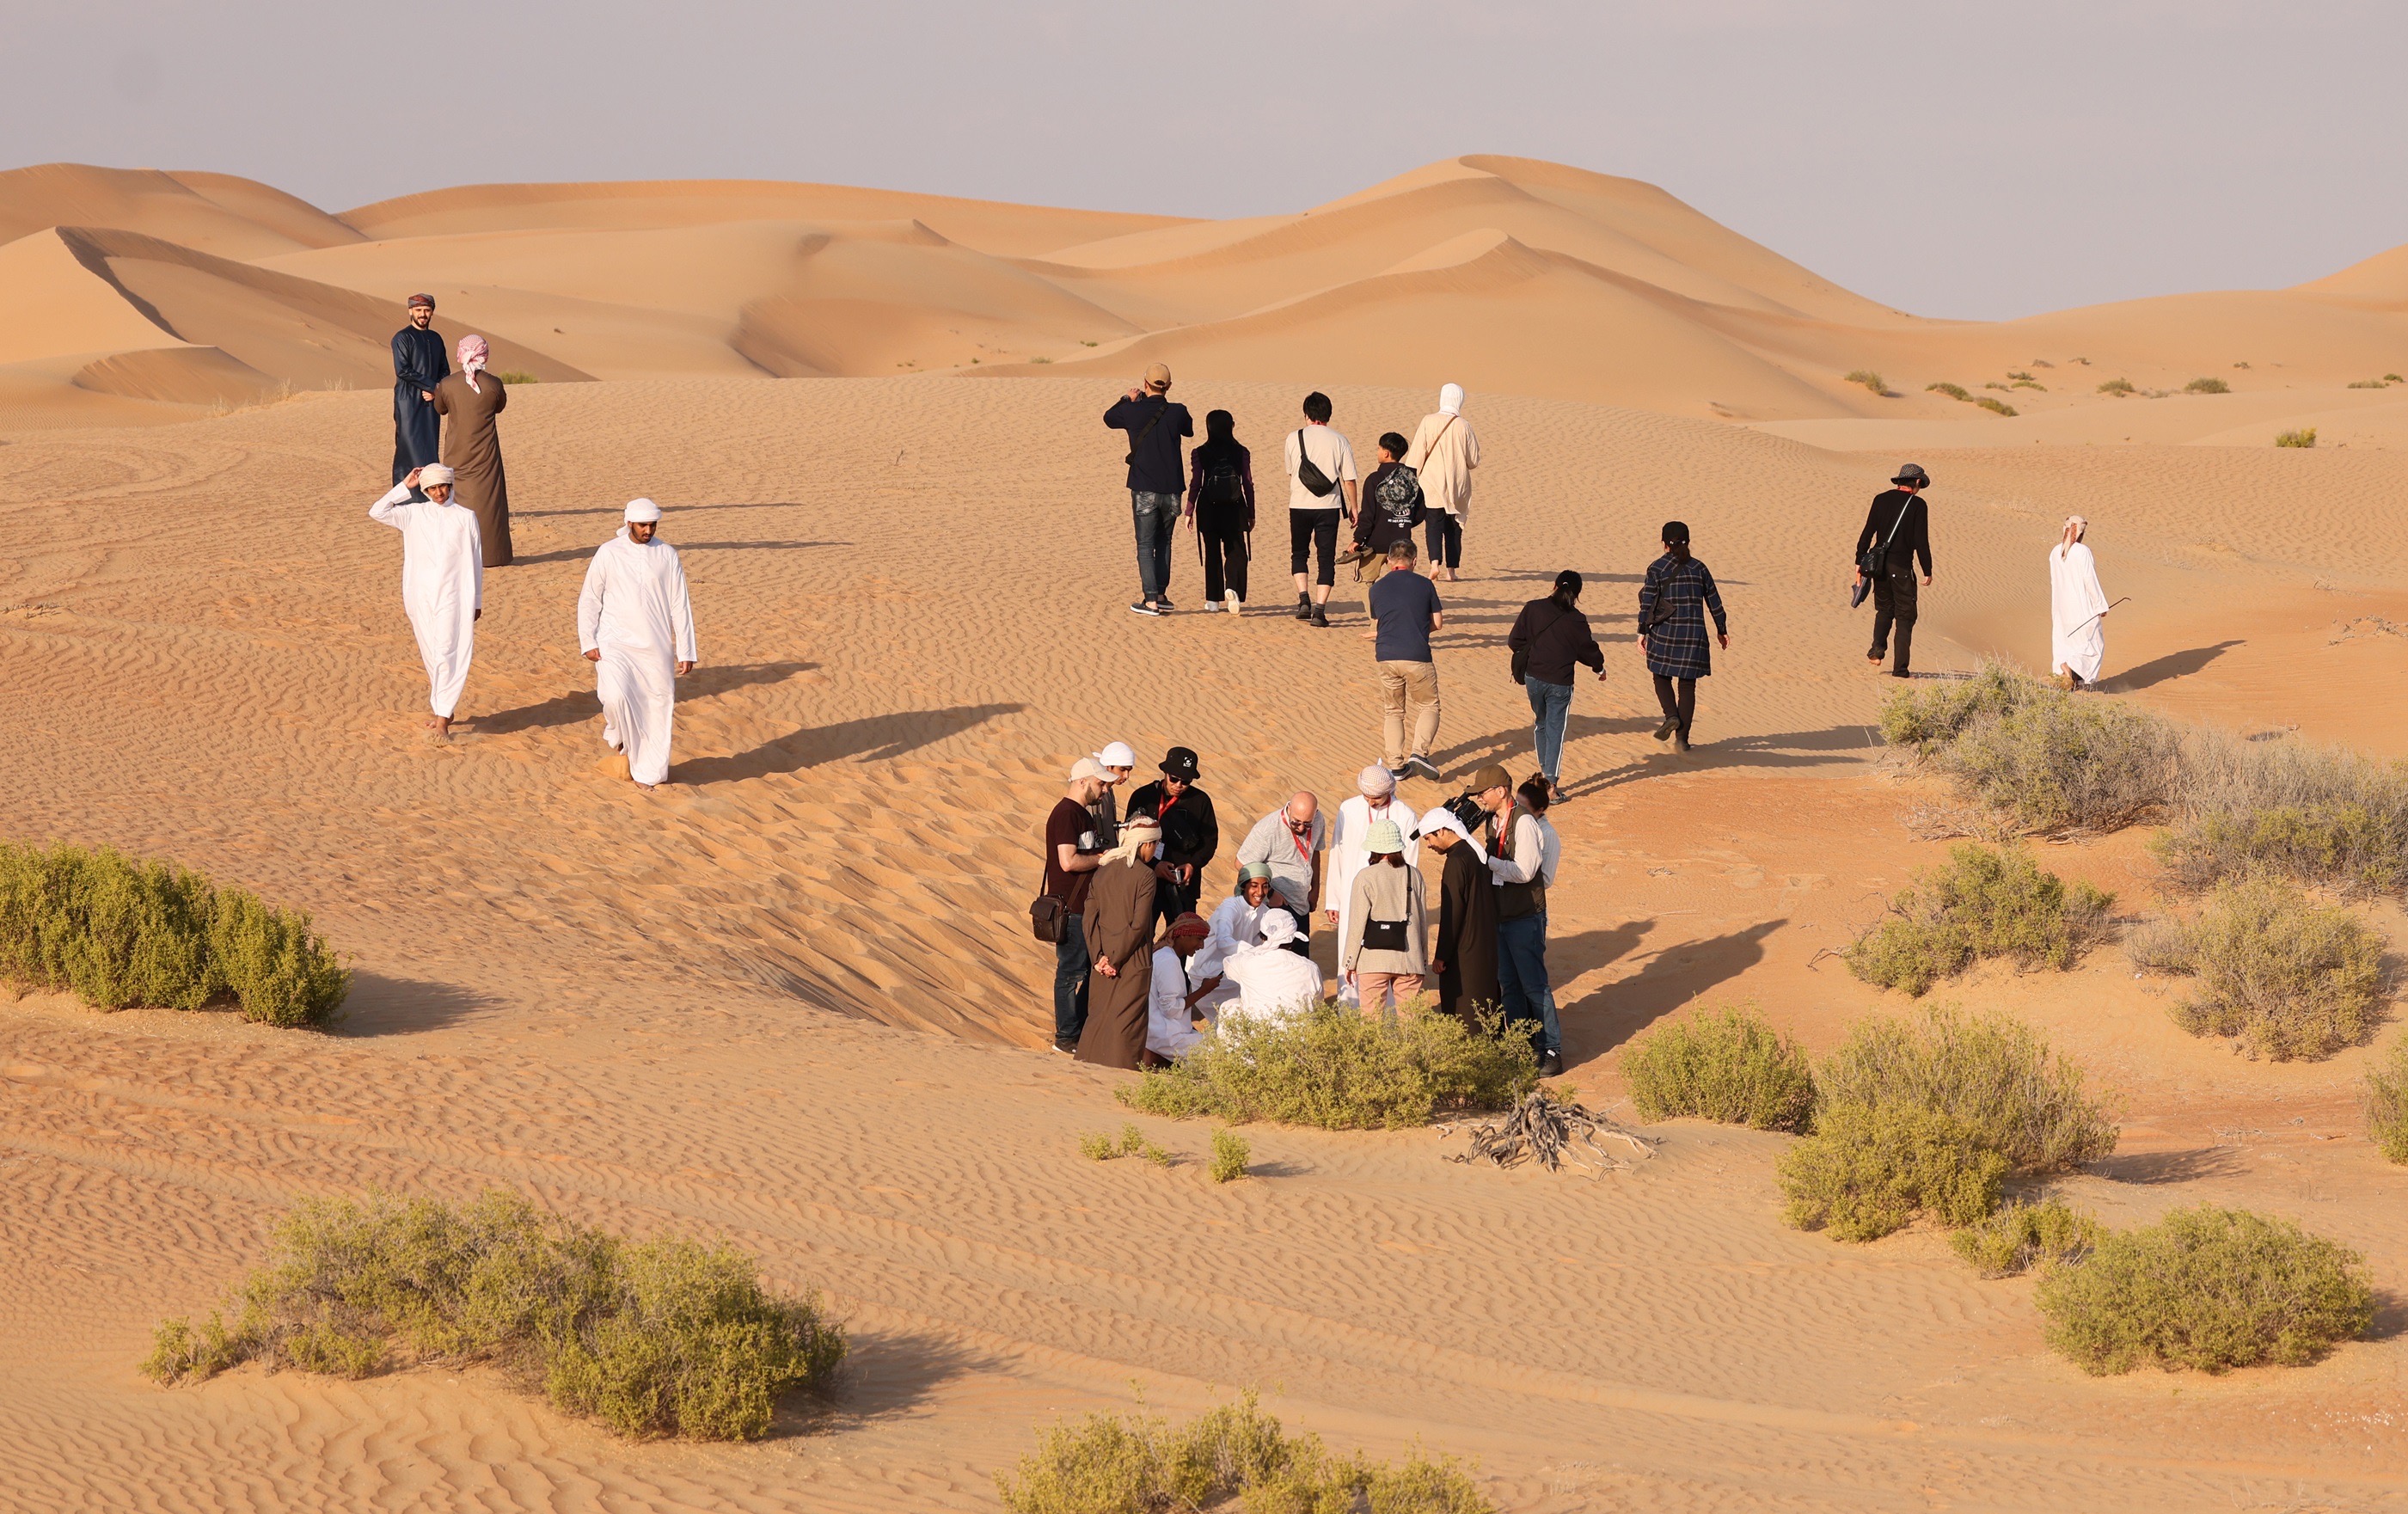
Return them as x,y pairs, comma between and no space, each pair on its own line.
1141,607
1422,767
1664,731
1068,1048
1679,742
1551,1065
1321,616
1304,607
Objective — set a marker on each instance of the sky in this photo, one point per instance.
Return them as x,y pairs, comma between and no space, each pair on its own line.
1978,161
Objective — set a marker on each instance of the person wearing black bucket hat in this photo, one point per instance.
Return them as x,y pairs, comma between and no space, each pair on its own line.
1896,536
1190,831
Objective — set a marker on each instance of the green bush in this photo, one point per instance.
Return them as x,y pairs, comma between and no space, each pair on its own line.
1992,1072
1230,1155
1723,1065
1097,1147
1984,903
2320,816
120,933
2305,436
2207,386
1869,1169
2020,1237
662,1339
1995,407
1332,1067
2118,386
515,375
2291,978
2206,1289
1137,1463
1955,392
2386,1102
1927,720
1870,379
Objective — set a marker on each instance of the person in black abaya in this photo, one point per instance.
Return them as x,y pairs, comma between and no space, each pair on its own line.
419,364
1464,956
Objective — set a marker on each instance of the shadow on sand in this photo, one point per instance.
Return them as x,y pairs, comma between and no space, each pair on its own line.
877,739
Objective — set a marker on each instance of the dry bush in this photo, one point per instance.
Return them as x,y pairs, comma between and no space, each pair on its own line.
1995,407
2118,386
1332,1067
2206,1289
1985,903
2322,816
1869,1169
2305,436
1930,720
2207,386
2020,1237
663,1338
2291,978
1955,392
1992,1072
1871,381
2386,1102
1722,1064
2068,764
1230,1155
515,376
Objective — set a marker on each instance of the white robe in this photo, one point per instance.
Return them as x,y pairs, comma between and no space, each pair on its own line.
1350,850
1273,984
2077,612
442,587
1168,1032
634,611
1235,925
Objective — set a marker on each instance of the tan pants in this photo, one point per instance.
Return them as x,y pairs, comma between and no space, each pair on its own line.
1384,993
1417,683
1366,573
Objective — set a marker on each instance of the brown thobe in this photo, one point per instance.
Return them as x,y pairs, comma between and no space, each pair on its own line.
1120,930
1466,937
472,449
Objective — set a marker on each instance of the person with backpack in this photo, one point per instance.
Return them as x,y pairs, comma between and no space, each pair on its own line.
1392,507
1443,453
1220,511
1550,638
1672,606
1897,535
1157,479
1322,488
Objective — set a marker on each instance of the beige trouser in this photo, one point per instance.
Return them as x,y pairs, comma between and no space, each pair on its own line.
1366,573
1384,993
1418,683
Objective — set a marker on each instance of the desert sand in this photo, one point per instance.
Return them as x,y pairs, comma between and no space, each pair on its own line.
790,998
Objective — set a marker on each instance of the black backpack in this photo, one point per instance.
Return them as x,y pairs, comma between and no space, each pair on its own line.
1223,484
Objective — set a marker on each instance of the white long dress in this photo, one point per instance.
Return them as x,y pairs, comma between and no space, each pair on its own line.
1235,925
1273,984
2077,612
634,611
442,587
1168,1032
1349,852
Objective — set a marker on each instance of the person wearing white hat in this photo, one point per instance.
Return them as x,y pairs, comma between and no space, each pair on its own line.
1274,983
1382,952
1443,453
1118,762
1348,850
634,623
442,582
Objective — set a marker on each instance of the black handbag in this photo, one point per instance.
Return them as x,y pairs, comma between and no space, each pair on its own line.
1874,559
1384,936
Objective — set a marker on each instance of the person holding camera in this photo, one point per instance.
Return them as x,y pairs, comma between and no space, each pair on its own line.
1157,478
1896,536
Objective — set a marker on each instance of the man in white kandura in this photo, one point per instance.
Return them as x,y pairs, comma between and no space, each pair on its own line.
1349,848
636,624
2077,609
1273,983
442,582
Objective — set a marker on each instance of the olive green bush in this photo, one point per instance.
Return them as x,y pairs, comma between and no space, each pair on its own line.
2044,762
2290,978
120,934
2017,1237
1872,1168
1723,1065
1333,1068
665,1337
2386,1102
1230,1154
2317,815
1985,903
1990,1072
2206,1290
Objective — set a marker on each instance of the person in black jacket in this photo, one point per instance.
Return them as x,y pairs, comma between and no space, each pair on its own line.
1551,637
1221,507
419,363
1392,508
1191,832
1157,478
1899,524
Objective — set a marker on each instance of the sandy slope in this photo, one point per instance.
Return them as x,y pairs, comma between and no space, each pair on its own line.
790,1000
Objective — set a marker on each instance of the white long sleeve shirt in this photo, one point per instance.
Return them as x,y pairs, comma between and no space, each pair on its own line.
636,597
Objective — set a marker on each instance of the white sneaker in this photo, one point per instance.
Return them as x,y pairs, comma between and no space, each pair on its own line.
1237,606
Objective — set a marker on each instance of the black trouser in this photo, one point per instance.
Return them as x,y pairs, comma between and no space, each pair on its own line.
1071,966
1445,533
1680,708
1311,531
1224,561
1894,605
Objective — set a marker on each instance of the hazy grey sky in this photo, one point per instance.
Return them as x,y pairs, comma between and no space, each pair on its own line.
1974,160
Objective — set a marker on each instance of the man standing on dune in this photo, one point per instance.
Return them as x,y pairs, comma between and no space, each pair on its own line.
442,582
636,624
473,398
417,365
1896,538
1442,454
1157,479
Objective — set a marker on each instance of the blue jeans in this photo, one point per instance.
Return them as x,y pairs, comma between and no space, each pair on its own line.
1551,706
1521,973
1157,522
1071,968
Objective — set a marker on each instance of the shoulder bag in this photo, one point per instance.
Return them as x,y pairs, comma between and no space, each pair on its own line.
1139,440
1874,559
1045,916
1308,473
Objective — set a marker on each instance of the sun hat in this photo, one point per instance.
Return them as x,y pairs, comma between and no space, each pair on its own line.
1491,776
1911,473
1384,838
1179,762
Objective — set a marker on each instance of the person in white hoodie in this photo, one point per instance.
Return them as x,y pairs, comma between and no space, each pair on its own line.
1442,453
442,584
2077,609
634,623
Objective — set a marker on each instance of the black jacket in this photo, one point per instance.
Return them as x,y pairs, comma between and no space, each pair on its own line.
1155,464
1392,507
1559,640
1191,832
1909,539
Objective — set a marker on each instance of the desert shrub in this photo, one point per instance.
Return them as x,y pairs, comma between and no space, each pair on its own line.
2206,1289
1995,407
2305,436
2368,383
1985,903
516,375
276,967
2019,1236
2321,816
1870,379
662,1339
2061,764
1724,1064
1139,1464
2386,1102
2118,386
1927,720
1992,1072
2207,386
1955,392
1332,1067
1869,1169
1097,1147
1230,1155
2291,978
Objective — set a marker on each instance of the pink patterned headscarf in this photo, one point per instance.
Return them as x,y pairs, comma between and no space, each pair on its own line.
473,353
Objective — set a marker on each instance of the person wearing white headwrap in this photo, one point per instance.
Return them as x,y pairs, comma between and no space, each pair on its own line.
1186,968
442,582
1442,453
634,623
1119,925
472,446
1349,850
1273,982
2077,609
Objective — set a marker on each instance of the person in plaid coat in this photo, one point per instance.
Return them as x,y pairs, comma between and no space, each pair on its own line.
1672,606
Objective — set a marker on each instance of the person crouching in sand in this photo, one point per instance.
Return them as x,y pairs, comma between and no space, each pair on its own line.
634,624
442,584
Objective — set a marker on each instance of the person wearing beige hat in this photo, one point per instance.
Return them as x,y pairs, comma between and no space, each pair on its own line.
1072,849
1157,479
1383,952
442,582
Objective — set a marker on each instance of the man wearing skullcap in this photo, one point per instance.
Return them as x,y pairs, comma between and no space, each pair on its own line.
442,581
417,365
472,446
634,623
1186,969
1350,849
1120,936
